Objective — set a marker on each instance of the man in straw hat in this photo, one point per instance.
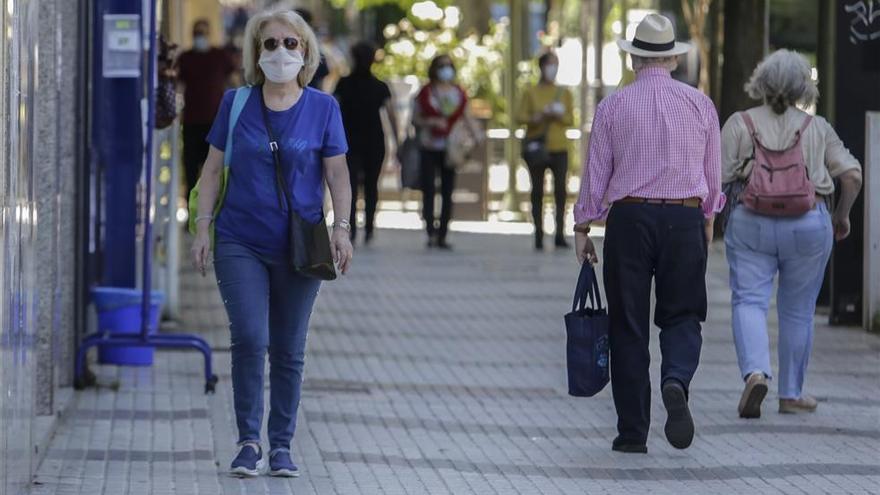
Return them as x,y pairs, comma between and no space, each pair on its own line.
654,168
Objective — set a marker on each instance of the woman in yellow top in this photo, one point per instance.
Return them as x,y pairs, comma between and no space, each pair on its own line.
546,110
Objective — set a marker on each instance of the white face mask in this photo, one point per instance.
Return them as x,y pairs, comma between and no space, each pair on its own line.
550,72
446,74
201,43
281,65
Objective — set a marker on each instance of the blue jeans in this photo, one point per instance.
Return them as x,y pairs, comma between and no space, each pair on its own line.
269,306
759,247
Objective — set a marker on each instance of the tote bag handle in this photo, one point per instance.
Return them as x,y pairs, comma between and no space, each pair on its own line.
587,289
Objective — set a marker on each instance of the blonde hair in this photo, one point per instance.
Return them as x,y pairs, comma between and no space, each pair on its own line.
783,79
253,44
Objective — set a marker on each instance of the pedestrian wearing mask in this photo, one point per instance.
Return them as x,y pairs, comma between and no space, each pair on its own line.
776,149
362,98
283,140
437,107
204,71
546,110
655,160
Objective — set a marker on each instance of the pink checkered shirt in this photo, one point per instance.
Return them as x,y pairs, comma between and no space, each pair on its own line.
657,138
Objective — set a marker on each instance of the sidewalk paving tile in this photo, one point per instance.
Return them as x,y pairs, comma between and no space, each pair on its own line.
444,373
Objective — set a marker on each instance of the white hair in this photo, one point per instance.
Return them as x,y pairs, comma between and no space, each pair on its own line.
668,63
253,44
782,79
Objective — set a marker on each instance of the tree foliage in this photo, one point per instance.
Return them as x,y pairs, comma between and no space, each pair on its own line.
365,4
480,60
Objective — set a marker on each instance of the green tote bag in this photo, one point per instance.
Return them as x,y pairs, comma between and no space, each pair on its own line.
241,97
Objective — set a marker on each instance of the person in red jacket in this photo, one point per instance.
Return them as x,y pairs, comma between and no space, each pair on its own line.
437,107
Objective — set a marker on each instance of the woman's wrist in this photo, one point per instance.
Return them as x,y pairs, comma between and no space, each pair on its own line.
342,224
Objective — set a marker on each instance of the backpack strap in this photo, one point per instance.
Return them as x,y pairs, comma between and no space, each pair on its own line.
750,124
241,97
804,126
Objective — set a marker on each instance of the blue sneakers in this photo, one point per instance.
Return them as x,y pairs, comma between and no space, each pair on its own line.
280,464
249,461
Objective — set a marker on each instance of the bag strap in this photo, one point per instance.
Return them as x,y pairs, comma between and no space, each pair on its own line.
804,126
750,124
281,184
241,97
587,289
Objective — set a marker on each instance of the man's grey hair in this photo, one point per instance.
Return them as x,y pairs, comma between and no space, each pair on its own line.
782,79
668,63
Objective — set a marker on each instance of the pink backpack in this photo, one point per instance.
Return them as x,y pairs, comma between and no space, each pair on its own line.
779,184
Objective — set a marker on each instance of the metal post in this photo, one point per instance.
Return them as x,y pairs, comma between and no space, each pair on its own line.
149,83
511,146
871,255
598,40
587,106
826,59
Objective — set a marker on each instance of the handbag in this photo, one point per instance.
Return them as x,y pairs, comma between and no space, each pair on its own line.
310,252
166,102
238,102
462,143
410,162
534,149
587,338
166,86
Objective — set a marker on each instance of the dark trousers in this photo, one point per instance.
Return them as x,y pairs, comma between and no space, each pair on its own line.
433,163
195,151
558,165
666,243
364,167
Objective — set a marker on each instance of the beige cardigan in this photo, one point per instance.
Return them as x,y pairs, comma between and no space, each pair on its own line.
824,152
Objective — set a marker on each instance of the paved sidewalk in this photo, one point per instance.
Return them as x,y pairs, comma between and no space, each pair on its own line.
443,373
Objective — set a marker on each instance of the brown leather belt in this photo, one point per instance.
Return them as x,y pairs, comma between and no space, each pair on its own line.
688,202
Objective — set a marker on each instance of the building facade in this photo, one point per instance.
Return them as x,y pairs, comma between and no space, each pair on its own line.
39,126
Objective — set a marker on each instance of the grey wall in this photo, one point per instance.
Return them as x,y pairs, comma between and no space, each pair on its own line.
47,195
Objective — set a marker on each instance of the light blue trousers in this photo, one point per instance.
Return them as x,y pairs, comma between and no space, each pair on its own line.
759,247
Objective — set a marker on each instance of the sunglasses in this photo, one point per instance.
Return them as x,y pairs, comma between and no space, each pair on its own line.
290,43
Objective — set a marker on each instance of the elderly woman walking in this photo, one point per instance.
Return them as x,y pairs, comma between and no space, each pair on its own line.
287,139
780,224
654,158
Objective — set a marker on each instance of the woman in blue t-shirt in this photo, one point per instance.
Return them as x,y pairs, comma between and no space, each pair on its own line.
268,303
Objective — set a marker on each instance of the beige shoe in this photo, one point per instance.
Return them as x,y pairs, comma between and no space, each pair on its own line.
794,406
752,396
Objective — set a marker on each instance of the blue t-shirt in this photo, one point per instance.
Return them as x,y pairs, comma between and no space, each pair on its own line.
307,132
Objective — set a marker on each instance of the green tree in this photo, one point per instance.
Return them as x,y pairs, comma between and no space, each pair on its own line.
412,44
365,4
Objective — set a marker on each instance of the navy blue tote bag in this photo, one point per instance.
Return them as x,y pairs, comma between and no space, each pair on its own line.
587,343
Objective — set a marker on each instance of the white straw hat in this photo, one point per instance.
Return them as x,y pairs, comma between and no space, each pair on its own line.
654,37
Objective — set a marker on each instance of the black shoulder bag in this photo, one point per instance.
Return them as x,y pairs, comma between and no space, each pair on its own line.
310,252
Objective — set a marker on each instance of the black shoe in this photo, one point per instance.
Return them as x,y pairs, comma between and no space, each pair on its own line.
628,447
442,244
539,243
561,243
679,423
